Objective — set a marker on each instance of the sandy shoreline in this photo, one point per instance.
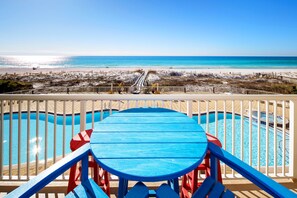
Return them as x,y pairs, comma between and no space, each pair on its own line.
204,70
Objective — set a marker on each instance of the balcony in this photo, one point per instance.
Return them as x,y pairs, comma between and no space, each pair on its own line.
36,131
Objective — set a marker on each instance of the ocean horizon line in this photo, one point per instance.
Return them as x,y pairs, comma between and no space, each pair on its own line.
65,55
245,62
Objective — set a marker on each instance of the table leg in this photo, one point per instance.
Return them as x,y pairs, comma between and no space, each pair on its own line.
123,188
173,183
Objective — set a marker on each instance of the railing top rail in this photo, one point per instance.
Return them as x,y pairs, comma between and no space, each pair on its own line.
81,97
48,175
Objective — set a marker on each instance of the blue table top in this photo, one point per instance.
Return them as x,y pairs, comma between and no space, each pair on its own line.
148,144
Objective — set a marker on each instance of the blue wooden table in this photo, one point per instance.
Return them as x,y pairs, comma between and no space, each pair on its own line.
148,144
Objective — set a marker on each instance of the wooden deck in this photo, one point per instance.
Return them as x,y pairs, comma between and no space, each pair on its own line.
241,188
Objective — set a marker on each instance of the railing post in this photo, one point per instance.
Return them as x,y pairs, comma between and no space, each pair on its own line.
82,115
293,139
190,108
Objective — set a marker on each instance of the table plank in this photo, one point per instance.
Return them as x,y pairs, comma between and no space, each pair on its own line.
141,169
115,127
148,120
148,150
142,137
145,109
150,114
148,144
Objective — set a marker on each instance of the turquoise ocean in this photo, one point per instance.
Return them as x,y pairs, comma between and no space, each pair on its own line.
186,62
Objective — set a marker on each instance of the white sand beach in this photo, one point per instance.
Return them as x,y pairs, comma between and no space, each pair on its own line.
255,81
288,72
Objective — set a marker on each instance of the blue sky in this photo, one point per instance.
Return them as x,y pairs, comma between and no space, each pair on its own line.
148,27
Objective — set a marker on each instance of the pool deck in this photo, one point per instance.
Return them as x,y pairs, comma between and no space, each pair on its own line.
120,105
240,187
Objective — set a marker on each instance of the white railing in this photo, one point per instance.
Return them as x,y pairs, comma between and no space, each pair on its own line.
36,129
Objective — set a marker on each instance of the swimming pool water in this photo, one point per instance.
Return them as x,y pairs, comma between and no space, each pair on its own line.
68,135
246,143
41,136
279,119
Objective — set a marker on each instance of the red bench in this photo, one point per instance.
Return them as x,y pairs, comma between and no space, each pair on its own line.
190,181
100,176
